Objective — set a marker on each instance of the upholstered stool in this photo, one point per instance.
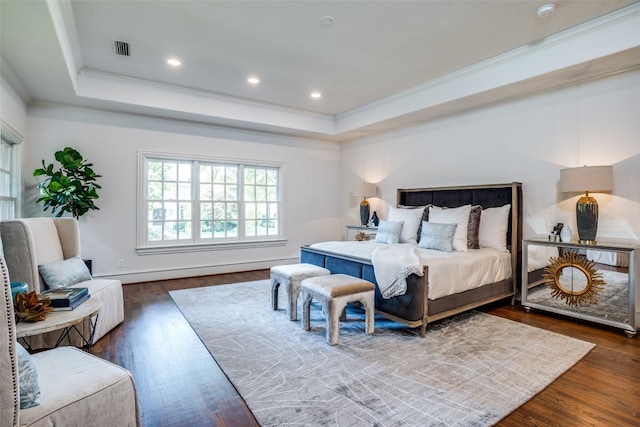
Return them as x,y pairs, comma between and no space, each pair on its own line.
291,276
334,292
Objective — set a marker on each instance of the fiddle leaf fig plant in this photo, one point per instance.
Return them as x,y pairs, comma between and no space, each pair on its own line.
69,188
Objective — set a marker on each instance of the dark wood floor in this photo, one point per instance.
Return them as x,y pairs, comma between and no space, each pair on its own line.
179,383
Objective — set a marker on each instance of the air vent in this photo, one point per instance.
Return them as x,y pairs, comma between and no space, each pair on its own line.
122,48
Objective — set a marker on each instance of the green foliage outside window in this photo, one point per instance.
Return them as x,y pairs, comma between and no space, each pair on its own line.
231,201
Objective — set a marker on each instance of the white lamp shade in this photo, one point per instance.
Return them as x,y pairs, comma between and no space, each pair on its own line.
364,189
587,178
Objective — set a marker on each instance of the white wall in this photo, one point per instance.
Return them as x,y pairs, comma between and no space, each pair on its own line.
111,142
13,111
529,140
526,140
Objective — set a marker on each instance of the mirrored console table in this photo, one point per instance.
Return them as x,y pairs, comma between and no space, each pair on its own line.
598,282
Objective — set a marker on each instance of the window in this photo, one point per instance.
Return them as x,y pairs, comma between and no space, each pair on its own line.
195,202
9,181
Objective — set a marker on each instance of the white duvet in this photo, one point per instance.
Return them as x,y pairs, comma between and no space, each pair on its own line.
539,256
449,272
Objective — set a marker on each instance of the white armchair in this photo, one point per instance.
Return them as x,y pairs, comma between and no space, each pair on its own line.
75,388
30,242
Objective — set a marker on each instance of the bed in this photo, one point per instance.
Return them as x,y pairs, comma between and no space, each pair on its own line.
416,307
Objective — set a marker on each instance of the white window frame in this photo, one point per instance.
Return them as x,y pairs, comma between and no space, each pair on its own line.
146,247
10,174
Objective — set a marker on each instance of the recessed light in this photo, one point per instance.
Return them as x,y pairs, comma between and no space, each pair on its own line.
327,20
546,10
253,80
174,62
316,95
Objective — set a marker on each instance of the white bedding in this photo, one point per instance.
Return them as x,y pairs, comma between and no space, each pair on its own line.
617,259
392,265
539,256
449,272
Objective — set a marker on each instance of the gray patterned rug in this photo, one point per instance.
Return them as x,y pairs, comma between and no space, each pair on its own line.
471,370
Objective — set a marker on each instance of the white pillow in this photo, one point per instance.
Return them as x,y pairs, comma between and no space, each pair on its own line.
412,218
494,223
458,216
388,232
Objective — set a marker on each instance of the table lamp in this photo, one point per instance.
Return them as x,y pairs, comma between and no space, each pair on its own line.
364,190
586,179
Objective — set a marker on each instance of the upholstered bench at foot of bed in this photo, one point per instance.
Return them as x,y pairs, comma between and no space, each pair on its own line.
334,292
291,276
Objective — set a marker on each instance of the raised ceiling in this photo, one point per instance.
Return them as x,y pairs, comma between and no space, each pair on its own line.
378,65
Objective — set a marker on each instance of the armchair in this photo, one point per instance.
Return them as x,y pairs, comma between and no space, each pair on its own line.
30,242
76,388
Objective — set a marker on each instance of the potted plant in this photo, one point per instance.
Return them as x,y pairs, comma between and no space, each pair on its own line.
70,188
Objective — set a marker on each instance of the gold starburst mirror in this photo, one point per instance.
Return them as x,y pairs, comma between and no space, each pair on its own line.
574,279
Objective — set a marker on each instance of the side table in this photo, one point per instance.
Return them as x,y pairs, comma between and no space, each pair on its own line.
65,321
577,287
369,231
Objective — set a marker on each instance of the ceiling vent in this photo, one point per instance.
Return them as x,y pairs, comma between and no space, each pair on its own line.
122,48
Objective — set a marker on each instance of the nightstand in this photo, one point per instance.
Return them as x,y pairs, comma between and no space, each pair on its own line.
369,231
597,282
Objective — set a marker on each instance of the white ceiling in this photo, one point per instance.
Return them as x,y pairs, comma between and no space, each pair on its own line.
379,65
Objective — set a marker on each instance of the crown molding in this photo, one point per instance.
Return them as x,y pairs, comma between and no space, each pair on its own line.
127,90
514,72
13,84
62,20
601,37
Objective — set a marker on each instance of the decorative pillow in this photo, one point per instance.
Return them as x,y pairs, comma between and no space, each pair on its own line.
389,232
425,216
473,238
412,217
59,274
458,216
494,224
28,379
437,236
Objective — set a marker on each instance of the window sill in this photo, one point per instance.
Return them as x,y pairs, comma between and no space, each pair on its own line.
200,247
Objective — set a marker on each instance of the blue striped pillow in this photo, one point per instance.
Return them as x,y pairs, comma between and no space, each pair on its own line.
437,236
389,231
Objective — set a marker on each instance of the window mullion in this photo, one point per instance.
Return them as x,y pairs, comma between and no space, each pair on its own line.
241,209
195,201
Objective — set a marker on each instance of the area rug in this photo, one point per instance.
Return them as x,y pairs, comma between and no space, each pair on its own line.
470,370
612,304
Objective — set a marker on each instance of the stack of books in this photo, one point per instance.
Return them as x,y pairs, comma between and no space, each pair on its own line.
66,298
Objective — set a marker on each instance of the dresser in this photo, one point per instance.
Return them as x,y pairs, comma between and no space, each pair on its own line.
596,282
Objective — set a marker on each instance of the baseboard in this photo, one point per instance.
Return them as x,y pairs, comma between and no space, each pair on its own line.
178,273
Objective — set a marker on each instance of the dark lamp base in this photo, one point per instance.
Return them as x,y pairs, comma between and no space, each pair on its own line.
587,219
364,213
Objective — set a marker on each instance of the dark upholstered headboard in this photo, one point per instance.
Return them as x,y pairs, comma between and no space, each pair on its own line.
487,196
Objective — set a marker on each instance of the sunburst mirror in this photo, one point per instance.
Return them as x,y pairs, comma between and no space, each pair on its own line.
573,279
